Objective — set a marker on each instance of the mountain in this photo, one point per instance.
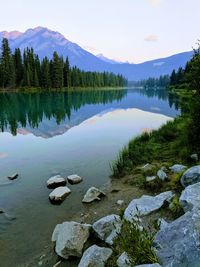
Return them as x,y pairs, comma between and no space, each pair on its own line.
108,60
45,41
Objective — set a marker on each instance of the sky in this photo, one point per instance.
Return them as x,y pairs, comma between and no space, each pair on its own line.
124,30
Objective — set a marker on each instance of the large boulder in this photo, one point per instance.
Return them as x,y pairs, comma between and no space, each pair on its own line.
74,179
95,256
190,197
177,168
56,181
70,238
107,228
92,194
124,260
191,176
59,194
146,204
177,245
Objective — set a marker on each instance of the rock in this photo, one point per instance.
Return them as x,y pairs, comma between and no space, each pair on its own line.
191,176
177,168
13,176
162,175
190,197
92,194
1,211
70,238
162,223
120,202
150,178
145,205
194,157
124,260
74,179
95,256
149,265
107,228
178,244
56,181
59,194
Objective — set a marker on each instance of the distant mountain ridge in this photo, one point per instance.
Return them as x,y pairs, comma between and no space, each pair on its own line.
45,41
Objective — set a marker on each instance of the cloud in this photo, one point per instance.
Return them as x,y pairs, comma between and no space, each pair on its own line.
151,38
154,2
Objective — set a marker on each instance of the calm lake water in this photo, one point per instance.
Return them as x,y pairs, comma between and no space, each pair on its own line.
43,134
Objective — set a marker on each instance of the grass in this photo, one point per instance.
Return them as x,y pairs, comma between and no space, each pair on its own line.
136,243
167,144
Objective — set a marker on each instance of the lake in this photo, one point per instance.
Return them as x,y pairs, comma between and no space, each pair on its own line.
44,134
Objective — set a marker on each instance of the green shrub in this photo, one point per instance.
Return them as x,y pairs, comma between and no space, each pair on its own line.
136,243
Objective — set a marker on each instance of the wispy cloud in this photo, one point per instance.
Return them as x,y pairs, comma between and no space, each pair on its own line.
154,2
151,38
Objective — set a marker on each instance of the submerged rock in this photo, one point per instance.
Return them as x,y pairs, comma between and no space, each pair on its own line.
74,179
190,197
124,260
191,176
107,228
70,238
59,194
92,194
13,176
146,204
178,168
56,181
95,256
162,175
178,244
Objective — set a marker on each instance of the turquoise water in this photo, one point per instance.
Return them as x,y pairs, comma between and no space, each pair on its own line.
75,132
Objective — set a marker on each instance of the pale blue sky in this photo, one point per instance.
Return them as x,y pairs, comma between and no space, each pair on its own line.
133,30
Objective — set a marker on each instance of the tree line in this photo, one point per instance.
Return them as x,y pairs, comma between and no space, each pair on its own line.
27,70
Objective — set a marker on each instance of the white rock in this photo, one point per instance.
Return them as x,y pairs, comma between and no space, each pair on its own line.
59,194
190,197
120,202
178,168
150,178
70,238
162,175
124,260
145,205
56,181
191,176
92,194
74,179
108,227
95,256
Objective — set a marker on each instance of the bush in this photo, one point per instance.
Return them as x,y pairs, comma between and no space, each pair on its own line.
136,243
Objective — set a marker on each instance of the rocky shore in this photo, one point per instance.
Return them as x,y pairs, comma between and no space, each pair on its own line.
94,237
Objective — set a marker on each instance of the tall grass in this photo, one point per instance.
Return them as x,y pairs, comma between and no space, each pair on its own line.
165,144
